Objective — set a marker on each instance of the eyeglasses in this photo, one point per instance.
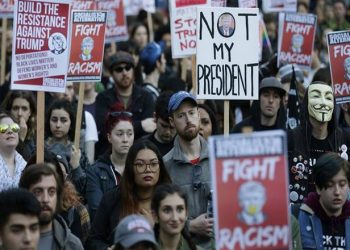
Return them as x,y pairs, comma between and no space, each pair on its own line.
141,166
13,127
196,177
120,69
120,113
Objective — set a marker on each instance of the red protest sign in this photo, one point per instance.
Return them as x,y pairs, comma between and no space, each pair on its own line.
339,58
296,39
40,51
116,21
88,33
250,174
84,5
6,8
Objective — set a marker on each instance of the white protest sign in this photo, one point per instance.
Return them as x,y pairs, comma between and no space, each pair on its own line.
39,50
279,5
183,26
227,53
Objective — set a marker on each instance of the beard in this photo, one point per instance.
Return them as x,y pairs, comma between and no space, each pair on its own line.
187,134
46,217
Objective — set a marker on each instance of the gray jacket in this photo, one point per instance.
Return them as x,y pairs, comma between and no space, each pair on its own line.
63,237
181,170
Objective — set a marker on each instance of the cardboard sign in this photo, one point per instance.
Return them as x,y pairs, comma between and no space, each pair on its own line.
88,33
116,21
296,39
84,5
279,5
250,178
218,3
183,14
6,8
40,45
133,7
339,58
227,53
247,3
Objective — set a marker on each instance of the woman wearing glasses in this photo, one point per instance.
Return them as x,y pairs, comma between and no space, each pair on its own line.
169,207
106,173
11,162
144,171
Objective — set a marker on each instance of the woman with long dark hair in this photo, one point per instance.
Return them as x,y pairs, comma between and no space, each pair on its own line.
22,107
169,207
144,171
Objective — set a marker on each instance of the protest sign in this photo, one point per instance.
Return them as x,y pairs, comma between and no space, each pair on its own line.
218,3
39,51
6,8
296,39
227,53
88,33
183,26
249,174
279,5
339,58
116,21
84,5
133,7
247,3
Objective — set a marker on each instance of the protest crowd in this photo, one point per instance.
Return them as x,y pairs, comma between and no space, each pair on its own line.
140,177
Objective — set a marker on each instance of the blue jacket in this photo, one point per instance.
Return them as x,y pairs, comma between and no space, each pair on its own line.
311,229
100,179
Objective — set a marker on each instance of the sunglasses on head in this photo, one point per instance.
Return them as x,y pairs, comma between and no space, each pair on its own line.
13,127
120,113
120,69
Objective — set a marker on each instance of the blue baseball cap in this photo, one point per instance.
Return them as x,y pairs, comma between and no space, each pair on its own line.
178,98
150,54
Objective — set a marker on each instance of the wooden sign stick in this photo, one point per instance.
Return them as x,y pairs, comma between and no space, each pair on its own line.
40,126
79,115
150,26
226,117
3,51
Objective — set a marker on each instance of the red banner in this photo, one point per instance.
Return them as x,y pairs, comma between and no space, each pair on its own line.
88,33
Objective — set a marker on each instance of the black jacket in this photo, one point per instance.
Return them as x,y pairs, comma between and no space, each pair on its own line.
105,221
300,157
141,106
100,179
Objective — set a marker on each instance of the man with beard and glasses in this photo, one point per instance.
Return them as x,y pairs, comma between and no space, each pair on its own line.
127,94
317,134
267,112
188,165
43,181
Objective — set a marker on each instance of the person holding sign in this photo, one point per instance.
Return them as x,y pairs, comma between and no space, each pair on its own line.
317,134
268,111
188,164
324,215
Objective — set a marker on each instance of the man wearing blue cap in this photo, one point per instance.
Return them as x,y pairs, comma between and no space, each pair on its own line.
188,164
153,61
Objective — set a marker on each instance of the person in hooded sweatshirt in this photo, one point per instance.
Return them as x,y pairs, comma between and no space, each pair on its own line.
317,134
268,112
324,215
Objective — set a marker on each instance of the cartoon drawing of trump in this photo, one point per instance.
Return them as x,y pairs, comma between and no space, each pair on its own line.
86,47
297,43
252,198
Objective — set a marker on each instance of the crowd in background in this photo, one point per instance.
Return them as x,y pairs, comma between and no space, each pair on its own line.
143,159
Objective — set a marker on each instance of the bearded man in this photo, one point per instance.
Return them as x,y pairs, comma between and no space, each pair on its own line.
188,164
317,134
